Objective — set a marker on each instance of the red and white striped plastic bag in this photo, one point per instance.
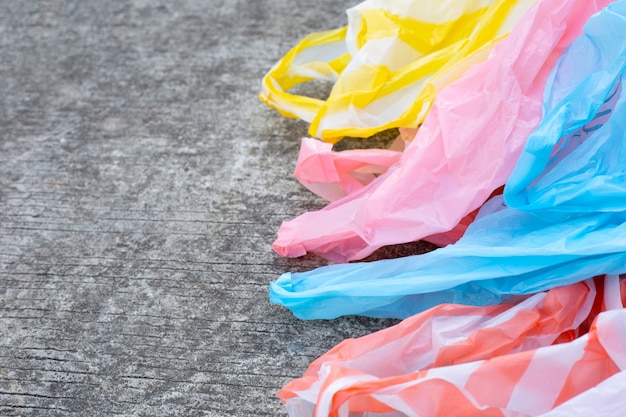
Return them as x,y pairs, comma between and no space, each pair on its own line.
458,360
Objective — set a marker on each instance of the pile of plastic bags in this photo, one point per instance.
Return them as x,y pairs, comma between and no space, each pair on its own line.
506,319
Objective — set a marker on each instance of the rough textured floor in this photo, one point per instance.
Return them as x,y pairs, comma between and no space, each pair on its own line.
141,186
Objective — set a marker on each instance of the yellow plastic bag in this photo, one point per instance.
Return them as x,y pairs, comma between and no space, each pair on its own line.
388,63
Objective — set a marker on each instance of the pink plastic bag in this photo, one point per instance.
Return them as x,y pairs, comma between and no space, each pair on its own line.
333,175
465,149
465,361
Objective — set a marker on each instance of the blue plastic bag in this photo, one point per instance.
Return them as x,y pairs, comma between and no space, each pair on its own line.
566,214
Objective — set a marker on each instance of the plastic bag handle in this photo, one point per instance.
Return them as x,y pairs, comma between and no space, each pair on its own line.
319,56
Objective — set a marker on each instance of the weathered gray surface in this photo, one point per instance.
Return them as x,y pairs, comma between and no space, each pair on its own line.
141,185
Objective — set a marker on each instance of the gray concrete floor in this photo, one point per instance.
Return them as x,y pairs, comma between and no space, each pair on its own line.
141,186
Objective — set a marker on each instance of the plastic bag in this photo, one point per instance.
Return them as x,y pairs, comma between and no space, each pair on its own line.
465,149
446,335
333,175
508,251
396,56
523,383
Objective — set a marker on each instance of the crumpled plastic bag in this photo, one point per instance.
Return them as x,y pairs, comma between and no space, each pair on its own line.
333,175
465,149
387,63
336,174
575,220
446,335
442,362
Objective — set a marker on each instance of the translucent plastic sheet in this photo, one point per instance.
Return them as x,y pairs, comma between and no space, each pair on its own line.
524,383
388,63
465,149
508,251
605,399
